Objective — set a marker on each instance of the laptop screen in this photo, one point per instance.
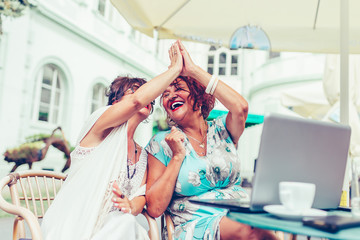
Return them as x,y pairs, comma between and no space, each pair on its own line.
301,150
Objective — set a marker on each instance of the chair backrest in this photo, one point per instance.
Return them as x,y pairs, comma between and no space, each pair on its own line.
34,191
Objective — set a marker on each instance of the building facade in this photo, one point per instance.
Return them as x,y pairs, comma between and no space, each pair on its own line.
55,63
59,57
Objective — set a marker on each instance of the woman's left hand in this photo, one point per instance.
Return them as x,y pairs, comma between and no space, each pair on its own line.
176,59
120,200
189,66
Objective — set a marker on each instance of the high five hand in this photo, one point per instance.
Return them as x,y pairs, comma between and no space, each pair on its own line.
176,59
189,66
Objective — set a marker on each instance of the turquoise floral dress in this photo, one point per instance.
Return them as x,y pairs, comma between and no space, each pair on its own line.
216,175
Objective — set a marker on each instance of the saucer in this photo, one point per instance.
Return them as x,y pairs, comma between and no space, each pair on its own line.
281,212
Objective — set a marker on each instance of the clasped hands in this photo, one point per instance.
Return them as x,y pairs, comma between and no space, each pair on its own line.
179,57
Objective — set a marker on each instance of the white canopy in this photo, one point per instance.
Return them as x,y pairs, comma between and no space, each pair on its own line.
289,24
308,101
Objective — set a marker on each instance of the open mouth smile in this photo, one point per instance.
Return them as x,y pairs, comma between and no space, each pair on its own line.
176,105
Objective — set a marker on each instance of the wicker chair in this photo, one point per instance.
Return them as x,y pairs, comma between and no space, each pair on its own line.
166,220
31,194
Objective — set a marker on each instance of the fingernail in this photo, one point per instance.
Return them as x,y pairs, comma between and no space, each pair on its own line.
114,199
116,204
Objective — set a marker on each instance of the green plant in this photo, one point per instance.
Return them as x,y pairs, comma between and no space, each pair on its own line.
33,144
12,8
24,150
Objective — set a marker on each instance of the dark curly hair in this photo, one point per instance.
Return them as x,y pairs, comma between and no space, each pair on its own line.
197,92
120,85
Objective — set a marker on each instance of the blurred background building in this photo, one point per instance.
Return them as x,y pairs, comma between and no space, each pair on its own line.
57,59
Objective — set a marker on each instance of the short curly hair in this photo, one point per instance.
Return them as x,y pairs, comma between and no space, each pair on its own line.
120,85
202,100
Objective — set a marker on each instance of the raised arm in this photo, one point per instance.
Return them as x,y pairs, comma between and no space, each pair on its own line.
121,111
232,100
161,180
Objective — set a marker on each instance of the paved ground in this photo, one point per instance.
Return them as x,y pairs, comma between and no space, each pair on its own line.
6,227
7,223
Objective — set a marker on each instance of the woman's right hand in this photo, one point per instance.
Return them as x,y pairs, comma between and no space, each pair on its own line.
176,59
175,139
189,66
121,201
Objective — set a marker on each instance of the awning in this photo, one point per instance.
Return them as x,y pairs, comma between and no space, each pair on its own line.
295,26
251,120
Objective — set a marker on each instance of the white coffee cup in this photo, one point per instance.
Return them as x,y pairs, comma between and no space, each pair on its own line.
297,196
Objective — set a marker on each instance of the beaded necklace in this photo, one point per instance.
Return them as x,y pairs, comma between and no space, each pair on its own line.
129,161
127,185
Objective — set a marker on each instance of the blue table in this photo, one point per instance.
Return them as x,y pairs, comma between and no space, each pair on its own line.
270,222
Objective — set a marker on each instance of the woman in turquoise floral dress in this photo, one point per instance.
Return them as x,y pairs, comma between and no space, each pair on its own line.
197,159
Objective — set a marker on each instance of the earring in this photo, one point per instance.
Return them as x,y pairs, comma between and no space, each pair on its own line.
146,121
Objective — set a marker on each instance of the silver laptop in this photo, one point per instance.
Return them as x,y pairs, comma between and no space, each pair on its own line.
296,149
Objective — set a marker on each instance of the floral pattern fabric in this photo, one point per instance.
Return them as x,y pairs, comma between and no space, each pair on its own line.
213,176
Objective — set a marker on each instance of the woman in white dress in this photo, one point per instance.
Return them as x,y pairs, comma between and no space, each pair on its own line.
107,160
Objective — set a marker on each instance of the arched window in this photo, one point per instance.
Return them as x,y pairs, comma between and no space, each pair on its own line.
108,12
49,100
234,64
213,48
274,54
222,63
101,7
98,96
211,59
211,64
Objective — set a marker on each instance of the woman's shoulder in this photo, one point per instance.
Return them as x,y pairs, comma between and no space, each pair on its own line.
157,144
82,152
159,136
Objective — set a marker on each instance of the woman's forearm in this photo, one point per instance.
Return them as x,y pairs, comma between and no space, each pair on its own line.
159,195
123,110
137,205
126,107
231,99
156,86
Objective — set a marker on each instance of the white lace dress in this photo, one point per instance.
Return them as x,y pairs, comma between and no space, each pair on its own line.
82,209
119,225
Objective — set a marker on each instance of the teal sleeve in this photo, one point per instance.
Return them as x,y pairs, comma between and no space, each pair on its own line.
223,119
157,146
220,124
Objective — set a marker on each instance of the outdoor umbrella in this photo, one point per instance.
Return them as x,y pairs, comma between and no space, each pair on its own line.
309,101
291,25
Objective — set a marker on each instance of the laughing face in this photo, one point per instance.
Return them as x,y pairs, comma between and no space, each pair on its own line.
176,100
